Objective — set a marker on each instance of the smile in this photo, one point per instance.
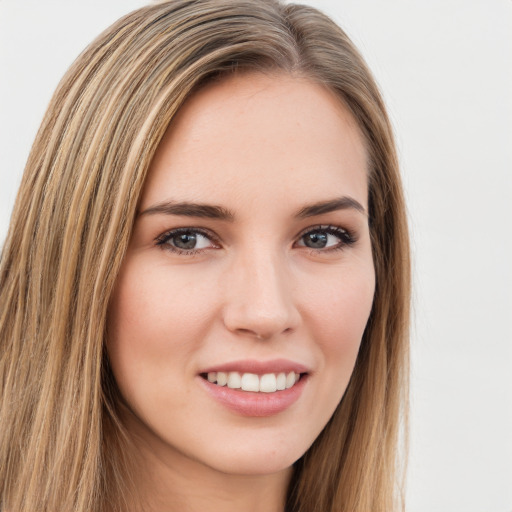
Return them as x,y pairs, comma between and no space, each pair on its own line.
266,383
256,388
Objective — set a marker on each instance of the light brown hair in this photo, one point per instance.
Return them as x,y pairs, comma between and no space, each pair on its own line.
61,443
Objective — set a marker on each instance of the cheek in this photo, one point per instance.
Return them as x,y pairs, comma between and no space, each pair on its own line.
338,318
343,305
156,320
152,308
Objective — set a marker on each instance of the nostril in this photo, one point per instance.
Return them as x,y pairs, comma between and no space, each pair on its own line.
253,334
262,334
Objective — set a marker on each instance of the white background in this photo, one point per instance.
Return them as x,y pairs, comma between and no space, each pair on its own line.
445,68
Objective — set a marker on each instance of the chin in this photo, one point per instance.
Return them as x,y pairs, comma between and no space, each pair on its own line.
254,458
254,466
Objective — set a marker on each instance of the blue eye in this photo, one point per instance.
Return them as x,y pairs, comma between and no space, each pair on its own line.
325,237
189,241
186,240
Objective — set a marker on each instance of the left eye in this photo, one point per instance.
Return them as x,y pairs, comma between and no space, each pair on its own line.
325,238
185,240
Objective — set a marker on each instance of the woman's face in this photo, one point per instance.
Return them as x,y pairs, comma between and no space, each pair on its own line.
250,263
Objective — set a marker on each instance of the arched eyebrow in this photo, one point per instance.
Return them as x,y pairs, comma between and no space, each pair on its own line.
331,205
210,211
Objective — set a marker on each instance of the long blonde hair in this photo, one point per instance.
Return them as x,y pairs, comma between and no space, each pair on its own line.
61,443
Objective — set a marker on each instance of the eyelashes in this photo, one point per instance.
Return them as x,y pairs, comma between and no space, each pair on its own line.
188,240
319,239
326,238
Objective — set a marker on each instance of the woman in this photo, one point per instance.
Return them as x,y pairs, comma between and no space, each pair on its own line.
204,289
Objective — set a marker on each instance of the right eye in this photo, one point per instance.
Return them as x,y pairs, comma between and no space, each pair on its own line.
186,241
326,238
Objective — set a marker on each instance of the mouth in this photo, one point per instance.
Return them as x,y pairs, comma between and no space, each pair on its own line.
252,382
256,388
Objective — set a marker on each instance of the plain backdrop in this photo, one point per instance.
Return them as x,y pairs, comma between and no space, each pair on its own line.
445,69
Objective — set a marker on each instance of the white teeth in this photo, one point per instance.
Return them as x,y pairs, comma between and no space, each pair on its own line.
281,382
222,378
250,382
234,380
267,383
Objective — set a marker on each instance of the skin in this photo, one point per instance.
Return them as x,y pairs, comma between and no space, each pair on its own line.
263,147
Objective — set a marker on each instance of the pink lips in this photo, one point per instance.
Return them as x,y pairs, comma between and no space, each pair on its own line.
248,403
259,367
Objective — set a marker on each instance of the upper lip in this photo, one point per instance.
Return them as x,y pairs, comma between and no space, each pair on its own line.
259,367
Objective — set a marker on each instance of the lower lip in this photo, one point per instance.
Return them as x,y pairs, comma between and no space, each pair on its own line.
248,403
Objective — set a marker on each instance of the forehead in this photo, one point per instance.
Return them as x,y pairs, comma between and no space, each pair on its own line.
260,136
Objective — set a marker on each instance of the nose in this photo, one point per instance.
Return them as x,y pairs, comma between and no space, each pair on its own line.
259,297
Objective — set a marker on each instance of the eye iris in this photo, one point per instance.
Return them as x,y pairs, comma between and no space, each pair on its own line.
316,240
185,240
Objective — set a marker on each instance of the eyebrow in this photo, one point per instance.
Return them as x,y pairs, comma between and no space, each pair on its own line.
209,211
332,205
